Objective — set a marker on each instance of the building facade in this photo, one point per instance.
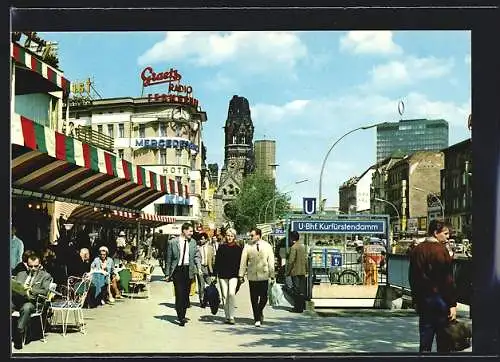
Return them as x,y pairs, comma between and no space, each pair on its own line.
265,158
239,159
409,182
456,186
379,186
347,196
162,136
410,136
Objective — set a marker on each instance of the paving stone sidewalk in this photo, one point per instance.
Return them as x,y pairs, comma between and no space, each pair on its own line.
149,326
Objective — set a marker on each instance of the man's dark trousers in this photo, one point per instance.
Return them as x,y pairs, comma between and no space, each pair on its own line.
258,297
182,285
299,292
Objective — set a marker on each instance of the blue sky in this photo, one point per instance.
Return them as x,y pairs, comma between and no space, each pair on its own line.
305,89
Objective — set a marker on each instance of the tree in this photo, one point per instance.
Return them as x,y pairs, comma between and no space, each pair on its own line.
255,192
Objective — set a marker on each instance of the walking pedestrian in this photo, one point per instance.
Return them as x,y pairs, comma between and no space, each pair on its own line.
227,265
257,262
182,262
296,268
432,287
203,277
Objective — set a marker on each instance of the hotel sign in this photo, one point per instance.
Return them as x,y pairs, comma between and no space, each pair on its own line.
164,142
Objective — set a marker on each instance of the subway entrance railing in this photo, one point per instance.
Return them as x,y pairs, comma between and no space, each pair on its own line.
346,254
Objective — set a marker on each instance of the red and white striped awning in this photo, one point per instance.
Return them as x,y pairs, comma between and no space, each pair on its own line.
32,62
90,214
159,218
52,163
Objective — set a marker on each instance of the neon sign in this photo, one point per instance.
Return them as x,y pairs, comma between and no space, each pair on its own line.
149,77
177,93
172,98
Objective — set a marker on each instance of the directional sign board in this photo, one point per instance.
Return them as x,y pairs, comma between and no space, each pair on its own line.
339,226
278,232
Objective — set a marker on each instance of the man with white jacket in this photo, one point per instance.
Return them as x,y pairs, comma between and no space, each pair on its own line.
257,262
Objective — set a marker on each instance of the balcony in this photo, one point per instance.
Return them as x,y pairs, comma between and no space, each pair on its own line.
94,138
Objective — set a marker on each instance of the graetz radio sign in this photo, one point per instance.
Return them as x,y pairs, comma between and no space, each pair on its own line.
163,142
177,93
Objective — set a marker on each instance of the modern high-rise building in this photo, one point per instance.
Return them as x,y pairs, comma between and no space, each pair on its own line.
411,135
265,157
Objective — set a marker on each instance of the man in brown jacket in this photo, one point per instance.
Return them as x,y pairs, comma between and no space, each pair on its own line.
432,286
297,269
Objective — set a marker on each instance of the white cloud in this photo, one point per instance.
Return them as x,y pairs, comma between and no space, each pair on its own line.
266,113
256,50
419,106
369,42
331,117
221,82
408,71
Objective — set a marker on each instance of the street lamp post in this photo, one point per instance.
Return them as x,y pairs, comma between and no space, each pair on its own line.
393,206
328,154
433,195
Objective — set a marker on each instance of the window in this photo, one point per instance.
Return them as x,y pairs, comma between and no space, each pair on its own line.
99,128
193,163
142,131
110,130
178,129
163,156
163,130
120,154
178,156
121,130
192,187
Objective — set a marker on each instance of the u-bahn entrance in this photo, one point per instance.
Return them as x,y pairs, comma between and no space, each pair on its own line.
346,258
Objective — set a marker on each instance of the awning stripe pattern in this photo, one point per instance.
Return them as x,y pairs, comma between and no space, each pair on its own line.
31,62
154,217
47,142
90,214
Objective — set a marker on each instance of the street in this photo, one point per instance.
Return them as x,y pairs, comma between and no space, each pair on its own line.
148,326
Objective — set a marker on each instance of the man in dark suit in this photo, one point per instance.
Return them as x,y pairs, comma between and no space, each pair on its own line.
36,282
182,262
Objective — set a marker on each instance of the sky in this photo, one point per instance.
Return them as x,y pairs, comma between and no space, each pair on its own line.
305,89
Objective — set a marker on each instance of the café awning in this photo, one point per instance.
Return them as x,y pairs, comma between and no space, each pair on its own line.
29,60
51,163
90,214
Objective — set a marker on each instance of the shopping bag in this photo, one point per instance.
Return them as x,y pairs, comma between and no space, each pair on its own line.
457,335
212,298
274,293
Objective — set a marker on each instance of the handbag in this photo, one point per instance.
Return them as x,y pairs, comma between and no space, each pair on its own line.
457,335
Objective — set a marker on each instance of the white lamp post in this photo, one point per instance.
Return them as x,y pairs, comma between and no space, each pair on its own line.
328,154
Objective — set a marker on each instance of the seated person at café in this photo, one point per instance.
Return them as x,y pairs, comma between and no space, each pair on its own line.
33,283
23,265
81,264
103,277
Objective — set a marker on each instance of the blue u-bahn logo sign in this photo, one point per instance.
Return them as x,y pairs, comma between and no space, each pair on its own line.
309,205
